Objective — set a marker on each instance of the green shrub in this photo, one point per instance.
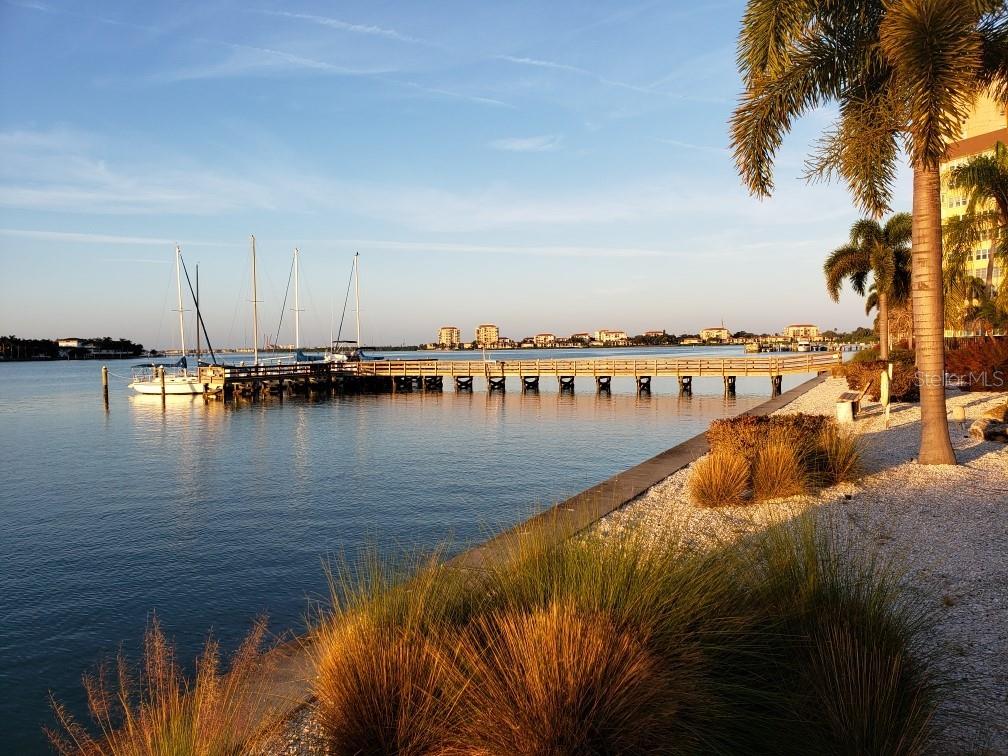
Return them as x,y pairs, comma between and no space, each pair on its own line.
720,479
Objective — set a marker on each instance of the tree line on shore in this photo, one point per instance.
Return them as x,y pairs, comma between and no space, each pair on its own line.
13,348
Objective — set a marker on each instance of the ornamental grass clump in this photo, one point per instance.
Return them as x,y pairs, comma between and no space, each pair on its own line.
384,677
778,471
761,458
843,640
558,680
159,712
720,479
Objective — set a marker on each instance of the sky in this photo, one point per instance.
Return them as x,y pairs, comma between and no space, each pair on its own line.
548,167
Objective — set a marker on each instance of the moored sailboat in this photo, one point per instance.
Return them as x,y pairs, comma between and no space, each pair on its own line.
174,379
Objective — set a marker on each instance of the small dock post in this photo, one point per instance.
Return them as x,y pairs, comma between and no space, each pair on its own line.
464,383
162,375
775,384
530,383
566,383
729,385
643,384
496,384
686,385
603,384
104,383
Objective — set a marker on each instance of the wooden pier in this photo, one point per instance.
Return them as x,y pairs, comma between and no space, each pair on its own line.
228,381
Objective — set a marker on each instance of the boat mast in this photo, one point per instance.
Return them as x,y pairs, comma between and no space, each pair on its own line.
178,285
297,305
255,308
197,317
356,267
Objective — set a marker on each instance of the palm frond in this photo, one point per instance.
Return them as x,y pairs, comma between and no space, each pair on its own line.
937,52
846,262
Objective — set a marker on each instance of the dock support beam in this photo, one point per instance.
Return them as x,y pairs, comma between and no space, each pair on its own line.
530,383
775,384
686,385
603,384
104,384
463,383
496,384
729,385
644,384
566,383
433,383
402,384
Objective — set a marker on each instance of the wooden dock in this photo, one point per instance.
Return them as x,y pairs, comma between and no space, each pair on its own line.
227,381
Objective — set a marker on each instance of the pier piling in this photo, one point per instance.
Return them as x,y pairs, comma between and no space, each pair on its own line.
104,383
496,384
566,383
775,384
644,384
729,385
530,383
603,384
686,385
464,383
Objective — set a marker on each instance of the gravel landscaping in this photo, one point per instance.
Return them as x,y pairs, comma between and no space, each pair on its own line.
945,526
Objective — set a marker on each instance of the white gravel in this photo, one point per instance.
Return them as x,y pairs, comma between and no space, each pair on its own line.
946,526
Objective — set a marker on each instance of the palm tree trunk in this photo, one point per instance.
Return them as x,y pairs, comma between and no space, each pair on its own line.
929,317
883,326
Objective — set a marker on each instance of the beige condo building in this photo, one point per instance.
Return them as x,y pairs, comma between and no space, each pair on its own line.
986,126
449,336
487,335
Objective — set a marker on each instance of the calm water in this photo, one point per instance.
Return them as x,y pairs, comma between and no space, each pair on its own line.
211,514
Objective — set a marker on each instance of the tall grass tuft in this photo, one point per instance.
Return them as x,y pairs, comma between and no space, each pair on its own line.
843,637
779,470
161,713
382,683
558,681
719,479
839,456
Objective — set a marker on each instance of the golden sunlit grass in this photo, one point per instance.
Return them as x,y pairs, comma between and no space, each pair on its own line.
720,479
778,471
160,713
557,680
841,455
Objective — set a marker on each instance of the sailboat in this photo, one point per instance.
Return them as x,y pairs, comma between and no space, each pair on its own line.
178,380
344,351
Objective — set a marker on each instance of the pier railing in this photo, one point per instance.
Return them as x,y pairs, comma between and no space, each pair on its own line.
698,367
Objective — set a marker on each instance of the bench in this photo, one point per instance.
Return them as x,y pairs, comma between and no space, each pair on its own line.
848,404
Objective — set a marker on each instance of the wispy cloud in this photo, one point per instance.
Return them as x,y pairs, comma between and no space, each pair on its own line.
545,143
346,26
695,147
604,80
449,93
80,237
59,176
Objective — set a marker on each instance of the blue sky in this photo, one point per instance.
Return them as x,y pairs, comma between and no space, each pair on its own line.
553,167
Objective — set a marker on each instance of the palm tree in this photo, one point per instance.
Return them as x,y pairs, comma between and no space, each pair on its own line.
984,180
903,73
882,252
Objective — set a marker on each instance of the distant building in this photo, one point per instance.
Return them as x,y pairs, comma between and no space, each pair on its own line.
487,335
715,333
505,343
801,331
986,125
690,341
543,340
654,333
449,336
580,338
74,343
611,337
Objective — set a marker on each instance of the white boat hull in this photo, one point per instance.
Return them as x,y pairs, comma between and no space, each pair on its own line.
175,385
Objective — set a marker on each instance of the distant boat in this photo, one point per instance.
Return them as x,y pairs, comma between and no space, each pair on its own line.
178,380
342,350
